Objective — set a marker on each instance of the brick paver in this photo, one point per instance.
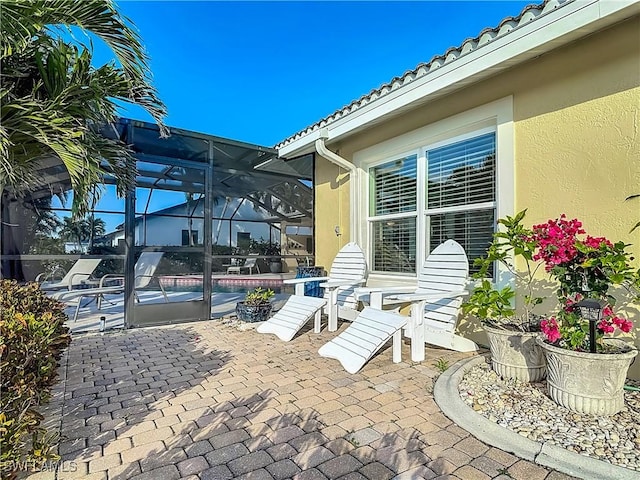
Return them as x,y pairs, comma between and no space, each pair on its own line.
209,401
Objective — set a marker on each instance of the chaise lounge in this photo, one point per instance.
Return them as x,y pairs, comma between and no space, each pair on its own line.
348,272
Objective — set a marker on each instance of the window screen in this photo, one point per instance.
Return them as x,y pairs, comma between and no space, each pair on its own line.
394,245
459,202
394,197
462,173
461,190
393,187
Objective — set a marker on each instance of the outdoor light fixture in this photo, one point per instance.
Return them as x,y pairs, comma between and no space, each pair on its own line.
591,309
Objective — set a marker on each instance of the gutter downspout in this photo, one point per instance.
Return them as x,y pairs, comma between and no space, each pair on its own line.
336,159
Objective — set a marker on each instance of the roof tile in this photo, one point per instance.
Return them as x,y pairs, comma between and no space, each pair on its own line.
487,35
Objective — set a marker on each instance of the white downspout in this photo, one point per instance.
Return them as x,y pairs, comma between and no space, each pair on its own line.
336,159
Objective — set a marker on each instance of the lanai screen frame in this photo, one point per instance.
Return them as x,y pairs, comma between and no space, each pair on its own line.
220,160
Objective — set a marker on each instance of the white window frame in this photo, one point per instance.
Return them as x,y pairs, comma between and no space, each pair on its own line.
496,116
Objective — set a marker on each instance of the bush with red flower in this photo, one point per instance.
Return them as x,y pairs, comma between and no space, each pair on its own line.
584,266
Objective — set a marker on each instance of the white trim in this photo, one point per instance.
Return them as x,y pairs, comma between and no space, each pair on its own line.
460,208
476,132
391,216
495,117
551,30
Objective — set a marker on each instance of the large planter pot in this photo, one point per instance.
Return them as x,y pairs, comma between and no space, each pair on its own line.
585,382
275,266
253,313
516,354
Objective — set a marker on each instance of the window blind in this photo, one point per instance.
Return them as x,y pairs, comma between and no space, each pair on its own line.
462,173
393,187
471,229
394,245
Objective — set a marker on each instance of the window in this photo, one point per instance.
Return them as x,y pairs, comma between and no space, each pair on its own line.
461,194
444,191
393,209
185,238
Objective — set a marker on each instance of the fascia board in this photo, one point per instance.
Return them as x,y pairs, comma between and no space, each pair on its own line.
300,146
554,29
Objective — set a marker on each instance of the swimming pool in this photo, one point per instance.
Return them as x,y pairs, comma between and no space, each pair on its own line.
217,288
193,283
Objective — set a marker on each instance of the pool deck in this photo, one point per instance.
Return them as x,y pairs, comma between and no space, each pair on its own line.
223,304
209,400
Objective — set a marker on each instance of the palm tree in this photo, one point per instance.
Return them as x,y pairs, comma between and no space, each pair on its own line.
53,101
73,230
97,228
82,230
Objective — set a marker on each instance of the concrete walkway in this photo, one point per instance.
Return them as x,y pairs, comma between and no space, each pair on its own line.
209,401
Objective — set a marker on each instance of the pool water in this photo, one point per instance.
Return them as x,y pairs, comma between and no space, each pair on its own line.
217,288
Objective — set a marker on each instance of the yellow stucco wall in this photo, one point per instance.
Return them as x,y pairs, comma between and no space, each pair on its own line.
331,210
577,141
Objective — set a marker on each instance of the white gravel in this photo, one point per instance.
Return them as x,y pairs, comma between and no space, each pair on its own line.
526,409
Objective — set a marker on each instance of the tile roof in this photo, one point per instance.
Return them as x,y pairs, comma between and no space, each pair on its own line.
528,14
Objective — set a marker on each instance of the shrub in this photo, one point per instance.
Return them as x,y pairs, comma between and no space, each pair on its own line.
32,338
258,296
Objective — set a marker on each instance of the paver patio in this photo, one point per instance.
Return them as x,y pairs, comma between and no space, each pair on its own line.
209,401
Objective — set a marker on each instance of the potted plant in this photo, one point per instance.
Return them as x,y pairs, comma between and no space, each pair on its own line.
585,374
275,261
270,250
512,335
256,306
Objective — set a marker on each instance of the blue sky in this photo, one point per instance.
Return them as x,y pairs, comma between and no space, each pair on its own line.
261,71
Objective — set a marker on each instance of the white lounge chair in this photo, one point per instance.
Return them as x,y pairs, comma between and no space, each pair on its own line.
435,302
144,271
348,272
364,337
76,276
249,265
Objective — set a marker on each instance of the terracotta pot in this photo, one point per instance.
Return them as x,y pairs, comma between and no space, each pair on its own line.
585,382
516,355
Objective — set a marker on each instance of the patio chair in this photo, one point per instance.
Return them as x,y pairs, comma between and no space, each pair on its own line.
249,265
144,271
435,302
77,275
348,271
364,337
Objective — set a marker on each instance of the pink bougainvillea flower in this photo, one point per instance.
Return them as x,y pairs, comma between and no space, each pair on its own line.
550,329
607,311
605,326
595,242
626,326
623,324
557,241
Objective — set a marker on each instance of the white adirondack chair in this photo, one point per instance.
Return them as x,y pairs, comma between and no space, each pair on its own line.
77,274
364,337
348,272
435,302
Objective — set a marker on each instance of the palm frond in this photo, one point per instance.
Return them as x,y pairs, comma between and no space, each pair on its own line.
22,20
53,101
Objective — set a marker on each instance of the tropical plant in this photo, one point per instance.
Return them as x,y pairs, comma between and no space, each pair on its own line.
494,306
265,247
54,102
82,230
256,306
32,337
584,266
258,296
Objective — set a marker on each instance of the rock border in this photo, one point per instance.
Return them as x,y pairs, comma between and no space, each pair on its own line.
447,397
